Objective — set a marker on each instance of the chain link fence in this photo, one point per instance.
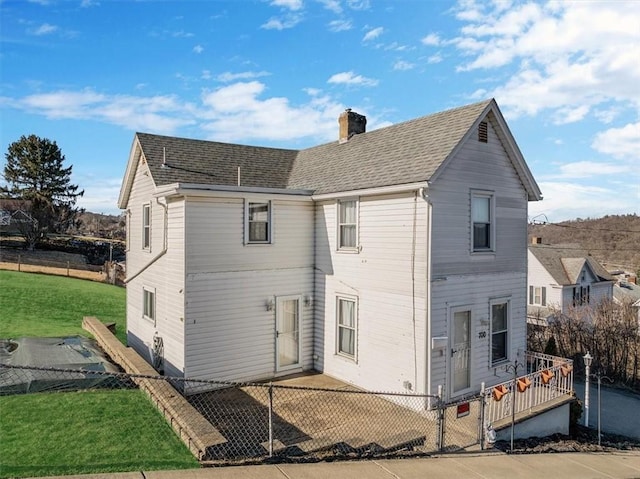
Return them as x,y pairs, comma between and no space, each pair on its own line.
255,422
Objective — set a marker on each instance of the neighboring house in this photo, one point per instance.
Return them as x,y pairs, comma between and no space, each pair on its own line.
394,259
625,291
13,213
562,277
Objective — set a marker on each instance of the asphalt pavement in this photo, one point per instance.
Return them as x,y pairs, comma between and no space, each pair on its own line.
619,411
487,465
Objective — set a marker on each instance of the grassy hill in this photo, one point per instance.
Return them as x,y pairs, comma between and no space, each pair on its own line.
613,240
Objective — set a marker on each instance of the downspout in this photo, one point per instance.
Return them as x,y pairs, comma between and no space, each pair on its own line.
425,195
164,241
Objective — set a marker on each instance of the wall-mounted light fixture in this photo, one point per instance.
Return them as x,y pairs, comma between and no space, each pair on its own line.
269,305
308,301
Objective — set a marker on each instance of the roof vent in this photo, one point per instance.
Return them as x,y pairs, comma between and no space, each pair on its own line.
483,135
351,123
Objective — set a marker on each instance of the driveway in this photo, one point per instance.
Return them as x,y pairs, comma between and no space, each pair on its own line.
619,413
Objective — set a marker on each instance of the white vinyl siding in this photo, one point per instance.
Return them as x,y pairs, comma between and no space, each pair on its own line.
347,225
347,332
258,224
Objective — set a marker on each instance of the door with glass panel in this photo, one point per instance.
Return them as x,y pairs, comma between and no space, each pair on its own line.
460,369
288,333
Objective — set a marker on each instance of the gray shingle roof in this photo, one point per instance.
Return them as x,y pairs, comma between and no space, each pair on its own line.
213,163
403,153
565,262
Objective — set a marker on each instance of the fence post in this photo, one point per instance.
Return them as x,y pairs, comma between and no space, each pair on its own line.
19,261
481,417
441,417
270,420
67,268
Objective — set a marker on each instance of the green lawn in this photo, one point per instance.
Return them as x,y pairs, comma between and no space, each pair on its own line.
76,432
43,305
86,432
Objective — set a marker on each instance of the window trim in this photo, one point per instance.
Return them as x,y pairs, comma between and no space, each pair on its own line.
353,299
533,295
247,203
146,226
506,332
146,293
490,195
339,247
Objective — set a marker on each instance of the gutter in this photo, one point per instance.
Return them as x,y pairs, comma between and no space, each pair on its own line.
165,245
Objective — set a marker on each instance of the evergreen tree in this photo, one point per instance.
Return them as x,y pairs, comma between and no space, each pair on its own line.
35,176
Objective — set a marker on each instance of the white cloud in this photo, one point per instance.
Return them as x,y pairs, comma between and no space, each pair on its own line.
198,49
288,21
358,4
89,3
206,75
44,29
236,112
290,4
586,169
622,143
437,58
403,65
432,39
227,77
100,194
373,34
349,78
570,57
563,201
340,25
333,5
181,34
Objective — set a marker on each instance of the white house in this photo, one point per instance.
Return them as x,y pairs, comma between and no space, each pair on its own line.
562,277
394,260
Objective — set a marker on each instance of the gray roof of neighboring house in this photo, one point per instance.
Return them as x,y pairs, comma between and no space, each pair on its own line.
625,291
409,152
565,262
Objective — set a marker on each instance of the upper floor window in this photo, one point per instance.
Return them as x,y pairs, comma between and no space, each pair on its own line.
347,224
258,222
482,221
581,295
146,226
499,331
538,295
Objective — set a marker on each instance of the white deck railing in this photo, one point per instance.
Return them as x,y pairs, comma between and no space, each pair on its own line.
550,377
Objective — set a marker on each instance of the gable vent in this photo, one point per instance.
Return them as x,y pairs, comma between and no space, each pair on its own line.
483,134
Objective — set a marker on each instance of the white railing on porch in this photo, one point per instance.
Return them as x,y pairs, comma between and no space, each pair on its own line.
550,377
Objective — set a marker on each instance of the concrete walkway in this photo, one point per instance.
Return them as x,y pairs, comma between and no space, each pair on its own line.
487,465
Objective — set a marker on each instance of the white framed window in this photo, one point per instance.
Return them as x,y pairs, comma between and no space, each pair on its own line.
149,303
347,326
499,331
538,295
258,224
581,295
348,224
146,226
482,224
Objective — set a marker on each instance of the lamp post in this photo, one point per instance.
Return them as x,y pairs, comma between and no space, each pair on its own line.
587,364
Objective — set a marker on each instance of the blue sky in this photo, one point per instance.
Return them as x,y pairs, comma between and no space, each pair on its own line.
89,73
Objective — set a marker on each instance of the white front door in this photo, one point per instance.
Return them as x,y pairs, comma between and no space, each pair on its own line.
460,343
288,333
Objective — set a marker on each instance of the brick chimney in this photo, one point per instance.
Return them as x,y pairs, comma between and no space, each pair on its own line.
351,123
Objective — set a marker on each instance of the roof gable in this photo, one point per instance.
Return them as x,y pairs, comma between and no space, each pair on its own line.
565,263
410,152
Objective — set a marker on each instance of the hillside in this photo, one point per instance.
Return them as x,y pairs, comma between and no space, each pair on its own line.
613,240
